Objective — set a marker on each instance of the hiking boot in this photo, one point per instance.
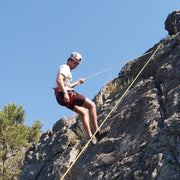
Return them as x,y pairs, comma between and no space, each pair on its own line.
102,133
94,141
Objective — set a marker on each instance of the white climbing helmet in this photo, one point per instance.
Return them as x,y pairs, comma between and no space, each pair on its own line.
76,57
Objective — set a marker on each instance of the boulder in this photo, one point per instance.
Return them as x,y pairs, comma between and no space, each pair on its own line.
172,23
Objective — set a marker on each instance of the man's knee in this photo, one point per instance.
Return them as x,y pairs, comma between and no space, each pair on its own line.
89,104
83,112
93,105
80,110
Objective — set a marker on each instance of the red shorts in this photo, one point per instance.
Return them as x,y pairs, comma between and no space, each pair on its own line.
75,99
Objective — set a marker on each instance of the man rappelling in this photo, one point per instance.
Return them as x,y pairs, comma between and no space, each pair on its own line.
66,96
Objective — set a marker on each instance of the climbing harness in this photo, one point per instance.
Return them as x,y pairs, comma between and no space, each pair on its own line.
86,145
56,90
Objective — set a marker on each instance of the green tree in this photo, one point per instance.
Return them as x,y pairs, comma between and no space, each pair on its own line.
34,133
15,139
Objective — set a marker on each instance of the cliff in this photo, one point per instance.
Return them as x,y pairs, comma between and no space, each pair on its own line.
144,141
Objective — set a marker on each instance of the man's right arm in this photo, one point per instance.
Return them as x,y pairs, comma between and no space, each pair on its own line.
60,82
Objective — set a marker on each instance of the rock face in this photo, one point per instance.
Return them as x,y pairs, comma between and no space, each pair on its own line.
172,23
55,151
144,141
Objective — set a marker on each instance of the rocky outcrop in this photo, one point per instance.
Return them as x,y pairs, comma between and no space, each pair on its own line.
144,141
172,23
52,155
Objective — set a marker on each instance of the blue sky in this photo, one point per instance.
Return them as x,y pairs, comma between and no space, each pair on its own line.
37,36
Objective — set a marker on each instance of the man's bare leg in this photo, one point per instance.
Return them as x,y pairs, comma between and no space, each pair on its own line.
90,105
85,119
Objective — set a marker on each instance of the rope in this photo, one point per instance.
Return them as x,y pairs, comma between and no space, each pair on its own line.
84,148
115,66
112,67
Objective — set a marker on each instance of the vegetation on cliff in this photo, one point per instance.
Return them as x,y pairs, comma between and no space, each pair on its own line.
15,139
